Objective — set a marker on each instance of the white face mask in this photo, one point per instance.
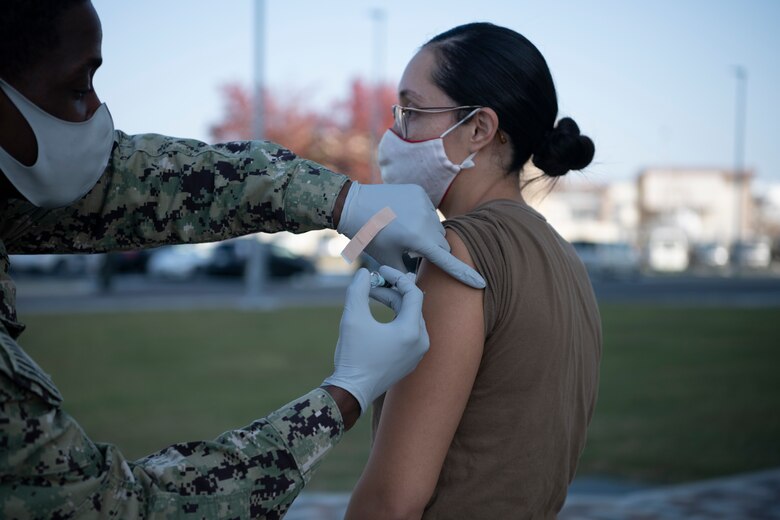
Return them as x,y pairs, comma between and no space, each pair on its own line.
71,156
424,163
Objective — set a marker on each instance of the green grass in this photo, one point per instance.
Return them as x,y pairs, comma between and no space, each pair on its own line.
685,393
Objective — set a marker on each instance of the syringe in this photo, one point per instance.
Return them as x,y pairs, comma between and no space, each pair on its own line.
377,280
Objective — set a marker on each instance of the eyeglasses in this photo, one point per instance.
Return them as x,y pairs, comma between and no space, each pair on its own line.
401,114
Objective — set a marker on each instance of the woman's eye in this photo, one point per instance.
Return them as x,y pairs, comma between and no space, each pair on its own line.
81,93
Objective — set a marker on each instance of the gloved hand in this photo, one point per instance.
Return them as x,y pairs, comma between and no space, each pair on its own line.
372,356
416,228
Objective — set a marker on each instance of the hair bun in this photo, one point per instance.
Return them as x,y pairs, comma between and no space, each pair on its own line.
563,149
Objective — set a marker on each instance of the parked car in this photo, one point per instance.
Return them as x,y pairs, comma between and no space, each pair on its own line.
179,262
753,253
133,261
667,251
48,264
230,259
711,255
608,259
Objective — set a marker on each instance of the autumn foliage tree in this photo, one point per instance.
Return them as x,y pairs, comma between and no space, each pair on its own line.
342,136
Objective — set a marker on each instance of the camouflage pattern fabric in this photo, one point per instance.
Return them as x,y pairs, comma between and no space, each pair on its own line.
159,190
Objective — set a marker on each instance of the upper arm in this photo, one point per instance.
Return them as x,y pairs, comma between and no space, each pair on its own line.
161,190
421,413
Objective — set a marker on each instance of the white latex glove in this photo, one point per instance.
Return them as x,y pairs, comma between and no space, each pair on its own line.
415,230
372,356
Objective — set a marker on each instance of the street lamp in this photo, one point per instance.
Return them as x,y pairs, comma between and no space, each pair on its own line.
255,270
378,17
739,145
258,119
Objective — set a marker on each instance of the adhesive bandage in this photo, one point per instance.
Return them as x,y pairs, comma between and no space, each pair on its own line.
365,234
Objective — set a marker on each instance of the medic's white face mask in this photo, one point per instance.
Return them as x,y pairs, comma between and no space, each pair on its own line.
71,156
424,163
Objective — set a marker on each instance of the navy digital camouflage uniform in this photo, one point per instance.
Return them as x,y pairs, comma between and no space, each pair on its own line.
159,190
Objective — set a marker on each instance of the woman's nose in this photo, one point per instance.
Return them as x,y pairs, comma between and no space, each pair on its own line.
93,103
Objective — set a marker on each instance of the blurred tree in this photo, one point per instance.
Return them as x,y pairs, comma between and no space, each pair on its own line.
339,136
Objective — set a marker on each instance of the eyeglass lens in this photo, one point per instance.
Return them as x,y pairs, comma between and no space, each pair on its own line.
399,115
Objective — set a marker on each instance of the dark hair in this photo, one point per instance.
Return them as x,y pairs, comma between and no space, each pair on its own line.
492,66
28,29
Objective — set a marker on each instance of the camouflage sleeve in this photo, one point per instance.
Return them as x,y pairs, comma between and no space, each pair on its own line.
50,469
160,190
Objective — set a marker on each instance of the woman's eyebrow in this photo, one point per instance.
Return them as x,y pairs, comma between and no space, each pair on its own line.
90,64
412,96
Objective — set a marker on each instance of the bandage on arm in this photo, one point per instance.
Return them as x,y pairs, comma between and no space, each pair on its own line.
365,234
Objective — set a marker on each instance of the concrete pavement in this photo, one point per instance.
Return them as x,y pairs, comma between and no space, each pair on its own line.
752,496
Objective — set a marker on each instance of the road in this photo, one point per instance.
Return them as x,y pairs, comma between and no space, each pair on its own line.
753,290
136,292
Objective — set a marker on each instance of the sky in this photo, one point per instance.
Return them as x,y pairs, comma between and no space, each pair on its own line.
653,83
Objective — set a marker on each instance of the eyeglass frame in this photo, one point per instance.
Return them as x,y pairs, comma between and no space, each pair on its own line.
399,113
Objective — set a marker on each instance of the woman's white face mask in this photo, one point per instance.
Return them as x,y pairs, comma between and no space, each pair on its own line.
424,163
71,156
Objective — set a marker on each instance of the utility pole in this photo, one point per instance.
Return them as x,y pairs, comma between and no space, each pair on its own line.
378,17
739,146
258,119
256,272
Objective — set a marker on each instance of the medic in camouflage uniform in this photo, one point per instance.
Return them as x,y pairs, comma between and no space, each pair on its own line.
160,190
143,199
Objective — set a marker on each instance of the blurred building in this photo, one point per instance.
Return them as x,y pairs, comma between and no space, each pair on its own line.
706,205
768,211
669,212
587,211
702,203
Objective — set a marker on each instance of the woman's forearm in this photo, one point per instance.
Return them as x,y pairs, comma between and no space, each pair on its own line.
376,505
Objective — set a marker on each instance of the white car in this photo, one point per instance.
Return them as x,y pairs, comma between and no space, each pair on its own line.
667,251
179,262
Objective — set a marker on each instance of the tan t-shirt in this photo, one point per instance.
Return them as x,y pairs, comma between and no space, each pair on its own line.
518,443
